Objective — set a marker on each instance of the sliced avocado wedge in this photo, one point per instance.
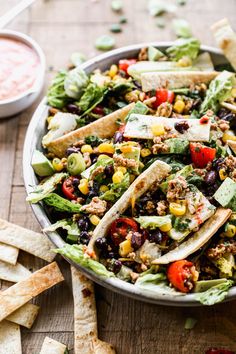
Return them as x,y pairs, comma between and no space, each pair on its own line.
204,285
154,54
41,165
226,194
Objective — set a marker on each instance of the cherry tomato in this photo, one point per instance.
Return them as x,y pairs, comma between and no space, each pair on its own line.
68,189
204,120
125,63
162,96
120,229
98,110
218,351
179,272
201,154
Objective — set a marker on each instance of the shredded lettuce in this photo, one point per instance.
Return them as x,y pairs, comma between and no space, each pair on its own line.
153,222
116,189
184,172
184,47
56,94
225,265
76,254
92,96
215,294
219,90
156,283
66,224
75,83
44,189
61,204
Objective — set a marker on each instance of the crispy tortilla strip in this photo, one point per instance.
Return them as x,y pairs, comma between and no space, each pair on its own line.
19,294
10,338
51,346
101,347
26,240
198,239
154,174
13,273
8,253
85,315
175,79
226,39
103,128
230,106
25,315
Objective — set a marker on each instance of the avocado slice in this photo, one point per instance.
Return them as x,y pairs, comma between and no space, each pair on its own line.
154,54
41,165
204,285
226,194
177,146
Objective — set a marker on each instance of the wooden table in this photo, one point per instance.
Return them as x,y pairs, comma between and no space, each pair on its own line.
62,27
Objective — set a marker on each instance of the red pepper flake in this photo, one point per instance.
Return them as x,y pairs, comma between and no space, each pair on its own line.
204,120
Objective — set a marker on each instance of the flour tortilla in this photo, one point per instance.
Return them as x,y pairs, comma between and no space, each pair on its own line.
230,106
153,175
226,39
175,79
85,317
25,315
104,127
26,240
232,145
19,294
198,239
13,273
10,338
51,346
8,253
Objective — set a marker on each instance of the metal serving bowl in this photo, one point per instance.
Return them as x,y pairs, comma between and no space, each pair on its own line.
35,132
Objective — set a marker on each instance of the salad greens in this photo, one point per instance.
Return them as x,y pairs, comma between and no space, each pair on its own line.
116,189
61,204
76,81
184,47
92,96
57,96
182,28
215,294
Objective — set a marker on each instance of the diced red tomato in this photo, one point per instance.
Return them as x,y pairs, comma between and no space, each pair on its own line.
204,120
162,96
125,63
179,273
99,110
219,351
120,228
68,189
201,154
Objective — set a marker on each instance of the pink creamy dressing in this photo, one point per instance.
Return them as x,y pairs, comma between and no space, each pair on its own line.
19,66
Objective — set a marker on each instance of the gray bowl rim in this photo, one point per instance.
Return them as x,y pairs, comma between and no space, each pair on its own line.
32,139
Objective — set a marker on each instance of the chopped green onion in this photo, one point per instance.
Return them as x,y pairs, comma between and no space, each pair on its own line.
123,19
117,5
77,58
160,22
75,163
190,323
115,28
105,42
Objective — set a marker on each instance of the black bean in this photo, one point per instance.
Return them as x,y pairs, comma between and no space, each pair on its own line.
114,265
181,126
93,158
75,182
196,103
210,177
83,223
84,237
155,236
216,164
136,240
71,150
101,244
109,170
72,108
118,137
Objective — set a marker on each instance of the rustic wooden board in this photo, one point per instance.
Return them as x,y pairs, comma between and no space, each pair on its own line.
61,27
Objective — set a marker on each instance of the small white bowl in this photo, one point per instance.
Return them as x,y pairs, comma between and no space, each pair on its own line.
16,104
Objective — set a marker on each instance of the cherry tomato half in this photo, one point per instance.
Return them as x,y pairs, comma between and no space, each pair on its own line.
179,272
125,63
120,229
68,189
201,154
98,110
218,351
162,96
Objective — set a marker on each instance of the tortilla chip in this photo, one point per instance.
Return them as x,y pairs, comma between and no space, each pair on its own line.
101,347
175,79
19,294
25,315
154,174
226,39
232,145
26,240
198,239
85,315
8,253
13,273
10,338
51,346
104,127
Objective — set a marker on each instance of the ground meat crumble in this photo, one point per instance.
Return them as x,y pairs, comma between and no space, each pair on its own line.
221,249
95,207
177,188
119,160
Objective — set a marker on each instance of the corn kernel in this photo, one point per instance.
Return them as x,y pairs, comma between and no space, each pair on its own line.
94,219
117,177
103,157
125,248
158,129
57,164
49,118
177,209
222,174
131,178
185,61
126,149
106,148
87,148
166,227
179,106
113,70
230,230
103,188
122,169
233,92
229,135
145,152
83,186
233,216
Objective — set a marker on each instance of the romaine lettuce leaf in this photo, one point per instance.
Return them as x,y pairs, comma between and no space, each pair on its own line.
182,28
92,96
56,94
184,47
116,189
61,204
218,91
153,222
139,108
156,283
76,254
66,224
75,83
215,294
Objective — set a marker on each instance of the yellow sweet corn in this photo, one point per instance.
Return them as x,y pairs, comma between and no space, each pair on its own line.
145,152
126,148
131,178
57,164
103,157
230,230
49,119
233,92
177,209
117,177
125,248
83,186
94,219
122,169
222,174
103,188
87,148
166,227
179,106
106,148
229,135
113,71
158,129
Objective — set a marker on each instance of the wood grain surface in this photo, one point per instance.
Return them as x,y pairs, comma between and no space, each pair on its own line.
62,27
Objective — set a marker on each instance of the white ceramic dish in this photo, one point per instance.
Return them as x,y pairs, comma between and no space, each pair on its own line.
37,129
17,104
